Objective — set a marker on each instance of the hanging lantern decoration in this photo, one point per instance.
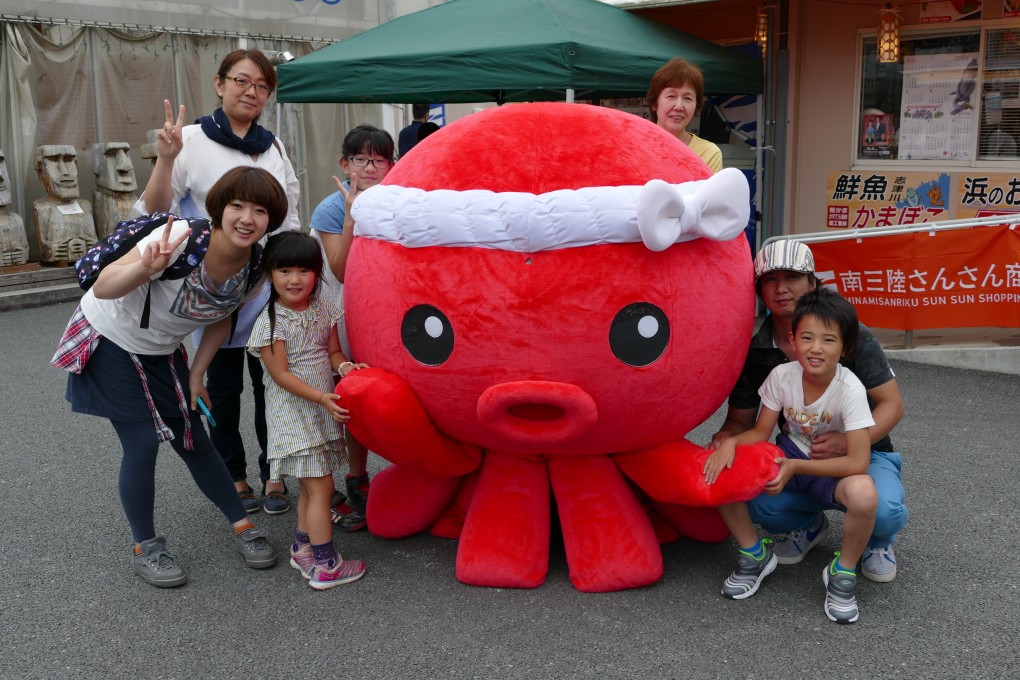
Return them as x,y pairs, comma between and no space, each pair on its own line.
888,34
761,29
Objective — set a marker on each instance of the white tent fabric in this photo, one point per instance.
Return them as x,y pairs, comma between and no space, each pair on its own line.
65,84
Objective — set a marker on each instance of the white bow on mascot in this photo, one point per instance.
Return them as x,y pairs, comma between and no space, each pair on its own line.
550,295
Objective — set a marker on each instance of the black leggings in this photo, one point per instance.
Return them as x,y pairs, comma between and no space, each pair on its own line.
138,472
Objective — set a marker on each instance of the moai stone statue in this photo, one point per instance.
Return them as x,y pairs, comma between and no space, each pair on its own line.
63,221
114,197
148,150
13,242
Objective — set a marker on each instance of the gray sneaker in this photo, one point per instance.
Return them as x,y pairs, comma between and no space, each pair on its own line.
254,545
840,594
791,548
157,566
744,582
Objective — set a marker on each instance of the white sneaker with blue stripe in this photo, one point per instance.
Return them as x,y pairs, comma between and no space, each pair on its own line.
791,548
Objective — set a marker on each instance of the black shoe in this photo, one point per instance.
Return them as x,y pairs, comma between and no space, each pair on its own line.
249,500
275,502
357,493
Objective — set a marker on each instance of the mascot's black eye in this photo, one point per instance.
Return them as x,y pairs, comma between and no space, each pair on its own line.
427,335
639,334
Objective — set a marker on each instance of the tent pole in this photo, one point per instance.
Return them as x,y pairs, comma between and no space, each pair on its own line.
570,95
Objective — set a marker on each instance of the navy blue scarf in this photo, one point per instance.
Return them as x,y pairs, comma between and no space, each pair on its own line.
217,128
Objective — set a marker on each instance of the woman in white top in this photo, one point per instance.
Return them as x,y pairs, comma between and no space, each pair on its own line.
191,159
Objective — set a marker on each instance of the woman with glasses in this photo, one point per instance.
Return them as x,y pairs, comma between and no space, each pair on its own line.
191,158
366,156
674,98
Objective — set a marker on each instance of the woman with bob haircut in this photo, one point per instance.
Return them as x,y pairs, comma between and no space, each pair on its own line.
674,99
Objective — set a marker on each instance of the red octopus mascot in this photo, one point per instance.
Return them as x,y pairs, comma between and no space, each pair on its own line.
550,296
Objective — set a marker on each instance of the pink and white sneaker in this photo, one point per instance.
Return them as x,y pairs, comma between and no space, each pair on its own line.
302,559
323,578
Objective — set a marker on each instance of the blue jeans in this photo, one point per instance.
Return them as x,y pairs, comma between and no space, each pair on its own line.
794,510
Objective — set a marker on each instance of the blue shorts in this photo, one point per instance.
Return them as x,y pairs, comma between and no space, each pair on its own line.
821,490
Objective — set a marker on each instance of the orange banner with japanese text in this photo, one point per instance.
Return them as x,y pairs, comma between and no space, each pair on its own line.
961,278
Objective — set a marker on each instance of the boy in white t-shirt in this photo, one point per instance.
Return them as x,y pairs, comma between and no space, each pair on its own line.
814,395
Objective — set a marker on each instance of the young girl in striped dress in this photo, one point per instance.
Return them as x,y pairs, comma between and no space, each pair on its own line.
296,338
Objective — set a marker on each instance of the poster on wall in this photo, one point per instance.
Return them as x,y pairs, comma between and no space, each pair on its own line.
858,200
937,115
876,135
1010,8
942,11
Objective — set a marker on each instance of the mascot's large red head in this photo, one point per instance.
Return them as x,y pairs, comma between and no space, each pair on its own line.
550,295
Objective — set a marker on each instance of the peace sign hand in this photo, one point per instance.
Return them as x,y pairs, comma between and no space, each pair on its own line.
168,140
348,194
157,254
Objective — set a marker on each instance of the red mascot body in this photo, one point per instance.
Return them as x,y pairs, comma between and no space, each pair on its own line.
535,315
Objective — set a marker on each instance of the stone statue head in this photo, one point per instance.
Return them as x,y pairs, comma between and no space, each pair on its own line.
112,167
57,167
5,182
148,150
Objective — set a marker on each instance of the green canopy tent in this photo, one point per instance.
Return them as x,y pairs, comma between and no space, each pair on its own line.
506,51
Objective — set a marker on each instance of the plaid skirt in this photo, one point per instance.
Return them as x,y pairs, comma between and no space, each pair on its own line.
108,381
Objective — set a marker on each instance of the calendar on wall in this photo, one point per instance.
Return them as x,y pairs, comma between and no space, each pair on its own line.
938,118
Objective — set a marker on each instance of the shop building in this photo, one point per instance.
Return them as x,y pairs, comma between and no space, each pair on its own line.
850,140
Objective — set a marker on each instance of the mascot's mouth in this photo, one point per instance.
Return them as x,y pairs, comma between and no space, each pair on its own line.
538,412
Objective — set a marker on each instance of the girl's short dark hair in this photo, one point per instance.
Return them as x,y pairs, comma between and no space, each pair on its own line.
367,139
254,185
290,249
829,307
676,73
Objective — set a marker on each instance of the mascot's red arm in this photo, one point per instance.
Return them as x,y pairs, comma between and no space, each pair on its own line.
388,418
672,473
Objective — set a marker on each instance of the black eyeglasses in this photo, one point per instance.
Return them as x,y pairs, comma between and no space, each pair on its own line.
362,162
244,84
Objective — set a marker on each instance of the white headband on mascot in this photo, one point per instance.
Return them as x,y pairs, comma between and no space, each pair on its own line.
658,214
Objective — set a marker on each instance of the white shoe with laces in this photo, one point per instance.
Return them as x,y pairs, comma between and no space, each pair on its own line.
879,564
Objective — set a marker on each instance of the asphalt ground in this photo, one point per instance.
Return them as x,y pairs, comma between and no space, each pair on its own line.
70,605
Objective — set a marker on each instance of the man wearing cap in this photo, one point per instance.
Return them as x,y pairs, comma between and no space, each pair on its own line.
784,271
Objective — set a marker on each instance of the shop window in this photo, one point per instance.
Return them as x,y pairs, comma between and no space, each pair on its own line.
923,107
942,101
1000,118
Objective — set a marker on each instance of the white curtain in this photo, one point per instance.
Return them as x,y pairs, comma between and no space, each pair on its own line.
62,84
